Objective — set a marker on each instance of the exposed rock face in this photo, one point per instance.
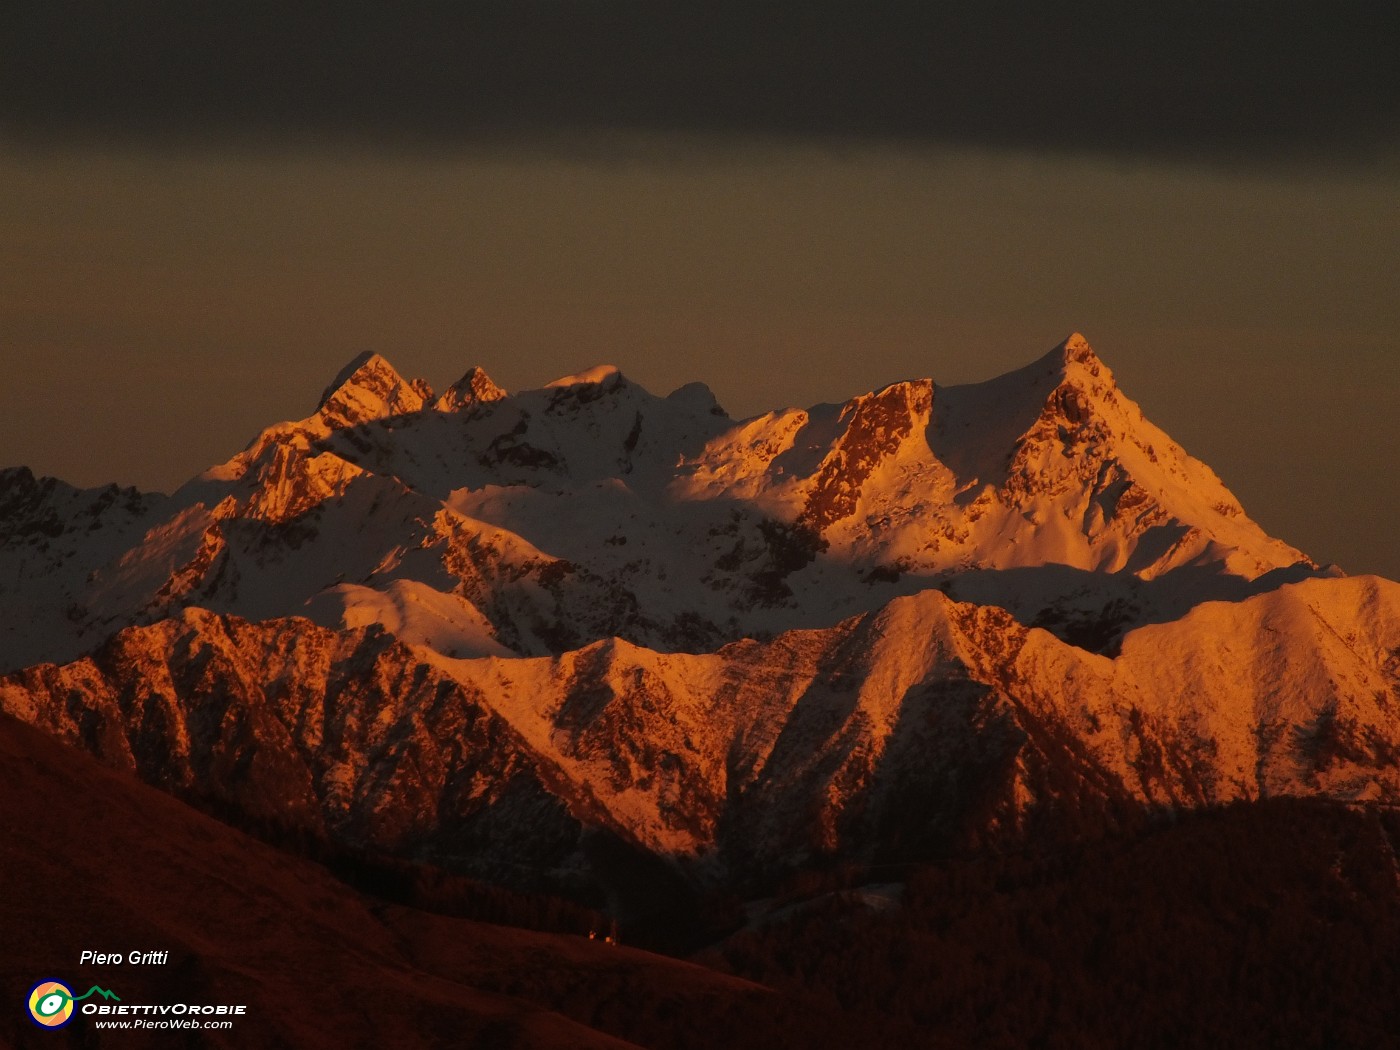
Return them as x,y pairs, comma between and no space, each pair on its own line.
346,735
592,509
498,630
876,425
474,388
369,389
928,726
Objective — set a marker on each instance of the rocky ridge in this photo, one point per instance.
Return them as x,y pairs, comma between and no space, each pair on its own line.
521,634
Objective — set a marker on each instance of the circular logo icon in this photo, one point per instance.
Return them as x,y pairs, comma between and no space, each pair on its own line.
51,1004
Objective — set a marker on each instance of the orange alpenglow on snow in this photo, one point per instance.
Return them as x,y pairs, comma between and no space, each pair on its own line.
732,644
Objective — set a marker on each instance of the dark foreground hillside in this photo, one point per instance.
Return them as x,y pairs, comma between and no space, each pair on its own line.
1269,925
92,859
1273,924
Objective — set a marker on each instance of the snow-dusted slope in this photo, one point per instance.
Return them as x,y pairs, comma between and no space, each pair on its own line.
523,632
477,522
53,537
927,725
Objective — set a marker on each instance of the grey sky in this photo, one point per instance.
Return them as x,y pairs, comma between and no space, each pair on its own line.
1239,80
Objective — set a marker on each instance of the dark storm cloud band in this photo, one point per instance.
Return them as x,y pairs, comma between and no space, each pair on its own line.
1271,80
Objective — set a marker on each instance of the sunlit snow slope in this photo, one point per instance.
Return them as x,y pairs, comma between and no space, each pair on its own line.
481,523
493,628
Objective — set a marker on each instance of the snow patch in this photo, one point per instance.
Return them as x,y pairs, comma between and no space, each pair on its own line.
596,374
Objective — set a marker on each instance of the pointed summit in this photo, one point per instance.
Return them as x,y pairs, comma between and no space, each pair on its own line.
474,388
1074,349
1075,344
369,388
1083,387
368,360
1071,362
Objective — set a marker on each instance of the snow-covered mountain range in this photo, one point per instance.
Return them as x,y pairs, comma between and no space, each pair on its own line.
516,633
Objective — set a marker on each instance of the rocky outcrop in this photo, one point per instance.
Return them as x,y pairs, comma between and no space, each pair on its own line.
927,727
527,634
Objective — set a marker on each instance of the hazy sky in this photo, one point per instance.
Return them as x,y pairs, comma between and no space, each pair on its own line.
201,220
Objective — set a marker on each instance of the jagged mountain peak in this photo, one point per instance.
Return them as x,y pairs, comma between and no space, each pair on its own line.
977,427
1072,361
287,469
1076,348
357,369
1068,384
474,388
593,502
370,388
805,631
